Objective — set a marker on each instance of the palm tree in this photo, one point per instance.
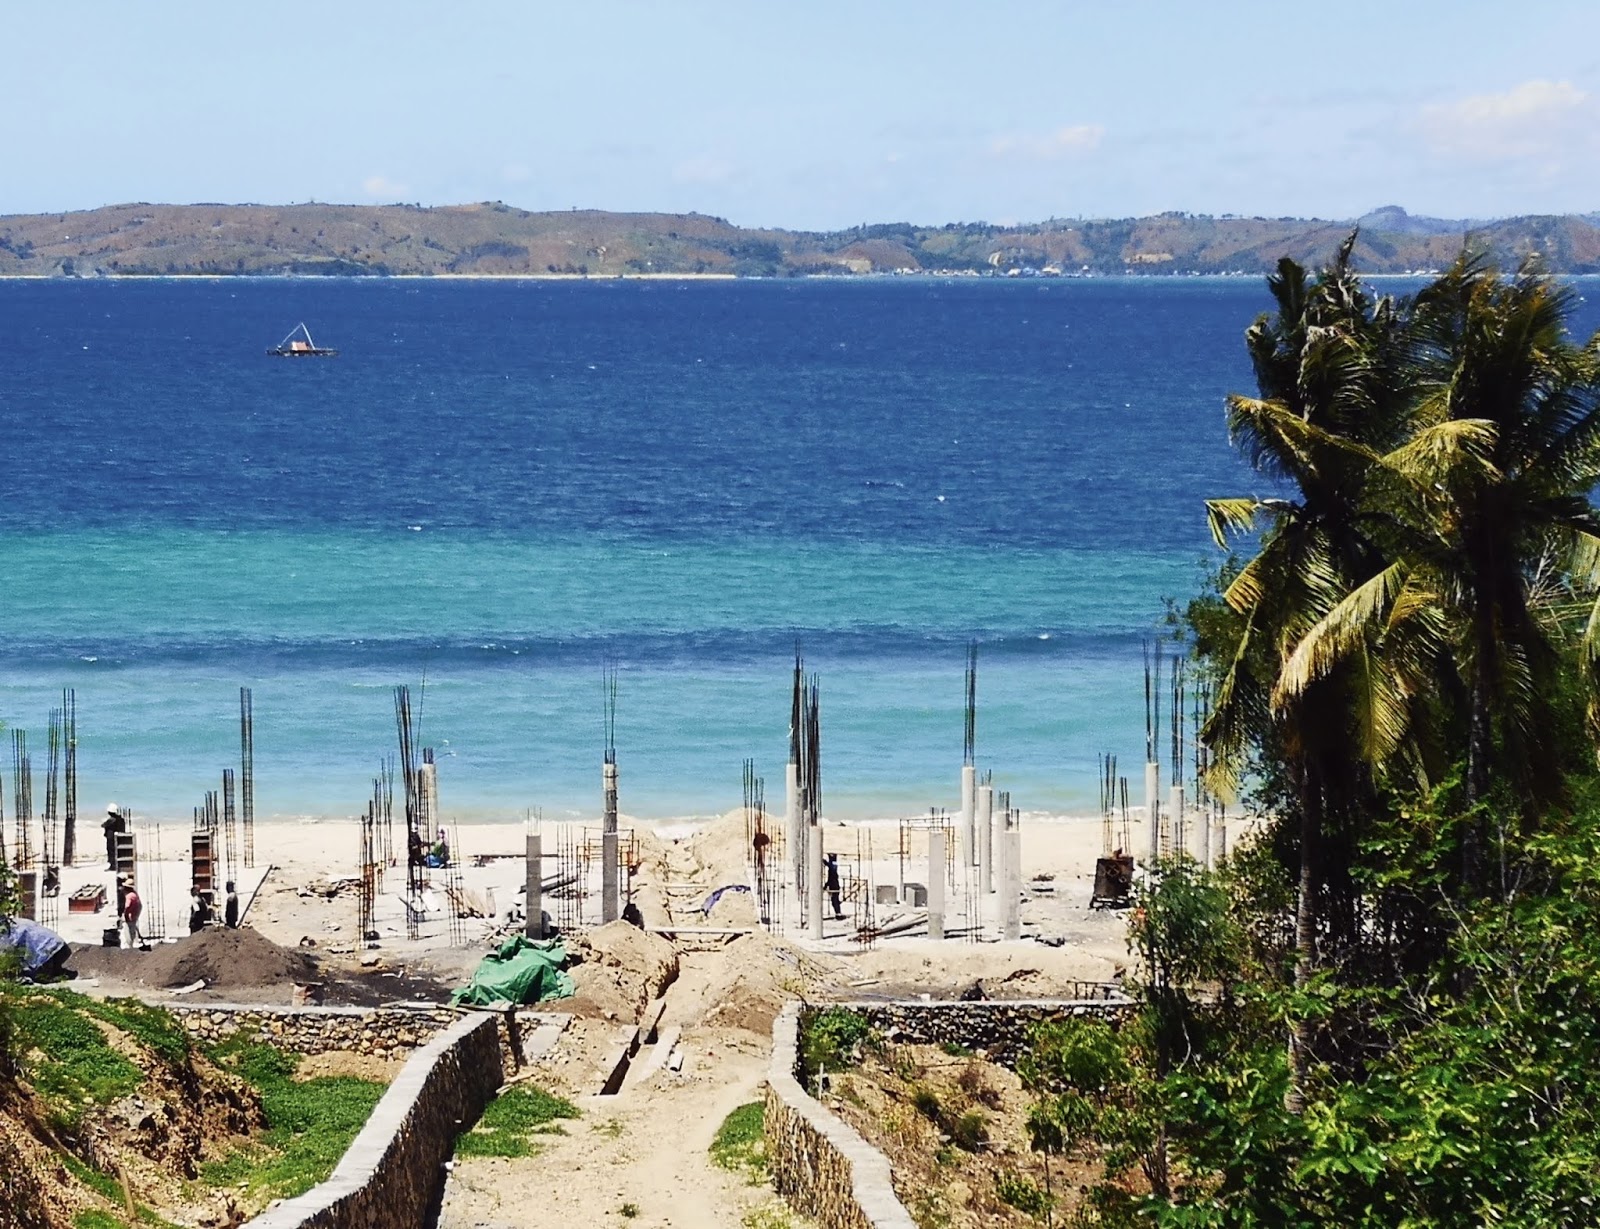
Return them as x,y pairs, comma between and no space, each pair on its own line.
1483,506
1326,368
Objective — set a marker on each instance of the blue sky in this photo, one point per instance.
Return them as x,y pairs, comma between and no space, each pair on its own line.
809,115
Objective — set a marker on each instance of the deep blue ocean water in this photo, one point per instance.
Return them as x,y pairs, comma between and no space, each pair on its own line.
497,487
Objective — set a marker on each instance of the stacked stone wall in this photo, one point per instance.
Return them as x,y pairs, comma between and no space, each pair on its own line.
817,1161
393,1174
385,1032
995,1029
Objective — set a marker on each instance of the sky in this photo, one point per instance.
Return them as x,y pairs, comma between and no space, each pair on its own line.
814,115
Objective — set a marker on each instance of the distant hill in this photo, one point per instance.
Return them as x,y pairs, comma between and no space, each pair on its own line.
493,238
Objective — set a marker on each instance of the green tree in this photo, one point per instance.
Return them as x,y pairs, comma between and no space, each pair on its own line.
1487,529
1327,366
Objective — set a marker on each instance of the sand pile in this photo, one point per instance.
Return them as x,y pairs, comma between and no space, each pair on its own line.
224,959
620,970
753,977
721,849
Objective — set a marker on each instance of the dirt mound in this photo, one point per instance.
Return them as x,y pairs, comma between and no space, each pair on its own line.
223,959
621,969
33,1193
722,847
753,977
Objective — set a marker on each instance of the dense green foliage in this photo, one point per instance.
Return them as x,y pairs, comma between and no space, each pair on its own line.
512,1120
310,1123
833,1039
1386,1010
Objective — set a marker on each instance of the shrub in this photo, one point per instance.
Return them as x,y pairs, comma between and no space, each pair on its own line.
1022,1193
834,1040
970,1132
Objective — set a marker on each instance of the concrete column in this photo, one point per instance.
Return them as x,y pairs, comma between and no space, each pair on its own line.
936,883
1011,905
428,787
1152,810
1222,840
1180,841
814,879
610,909
986,838
1202,823
965,852
534,902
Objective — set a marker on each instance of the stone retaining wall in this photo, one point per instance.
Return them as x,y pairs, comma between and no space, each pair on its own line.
392,1031
392,1175
818,1162
388,1032
996,1029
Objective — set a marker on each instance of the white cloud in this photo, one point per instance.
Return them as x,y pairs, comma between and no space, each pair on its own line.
380,188
1063,142
1535,120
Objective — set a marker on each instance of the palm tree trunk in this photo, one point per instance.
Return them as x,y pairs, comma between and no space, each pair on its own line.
1305,940
1480,744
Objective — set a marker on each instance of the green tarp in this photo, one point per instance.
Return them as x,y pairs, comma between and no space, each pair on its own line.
521,970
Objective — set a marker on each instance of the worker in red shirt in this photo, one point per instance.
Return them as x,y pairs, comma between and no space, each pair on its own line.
132,907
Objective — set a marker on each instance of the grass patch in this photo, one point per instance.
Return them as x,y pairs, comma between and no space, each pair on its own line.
741,1142
104,1185
67,1058
512,1119
158,1030
309,1123
772,1215
94,1219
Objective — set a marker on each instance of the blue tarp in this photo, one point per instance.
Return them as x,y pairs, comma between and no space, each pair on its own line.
36,943
711,901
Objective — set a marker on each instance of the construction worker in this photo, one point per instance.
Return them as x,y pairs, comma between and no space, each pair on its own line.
114,825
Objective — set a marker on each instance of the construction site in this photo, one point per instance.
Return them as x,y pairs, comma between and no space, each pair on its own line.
680,944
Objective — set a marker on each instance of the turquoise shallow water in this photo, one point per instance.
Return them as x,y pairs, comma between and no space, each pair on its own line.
499,487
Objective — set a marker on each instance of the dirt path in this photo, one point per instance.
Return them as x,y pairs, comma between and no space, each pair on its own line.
640,1158
644,1151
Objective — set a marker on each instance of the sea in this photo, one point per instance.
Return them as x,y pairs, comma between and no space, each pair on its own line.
499,489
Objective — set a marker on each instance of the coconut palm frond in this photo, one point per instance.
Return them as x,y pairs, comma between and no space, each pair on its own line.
1228,517
1337,634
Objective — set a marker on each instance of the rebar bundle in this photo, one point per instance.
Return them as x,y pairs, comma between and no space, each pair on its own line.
247,772
152,889
766,850
454,891
1152,698
22,801
408,777
969,744
230,827
52,792
69,841
386,777
367,898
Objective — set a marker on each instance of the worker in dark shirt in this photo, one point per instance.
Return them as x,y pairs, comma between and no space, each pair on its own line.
200,913
230,908
113,825
832,884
